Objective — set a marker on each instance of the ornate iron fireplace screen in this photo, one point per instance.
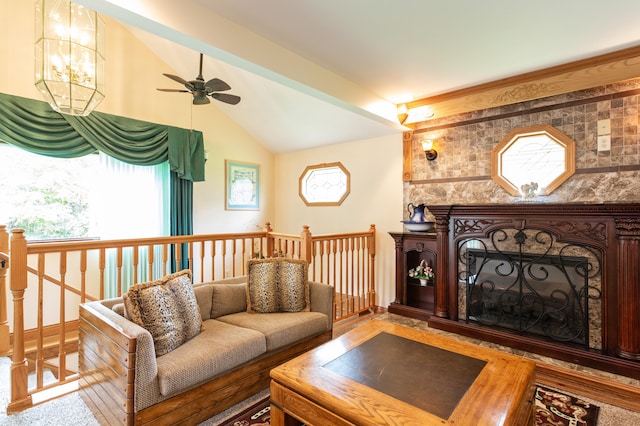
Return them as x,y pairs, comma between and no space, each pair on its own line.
534,292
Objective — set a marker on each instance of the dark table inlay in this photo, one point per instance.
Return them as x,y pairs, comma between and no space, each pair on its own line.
425,376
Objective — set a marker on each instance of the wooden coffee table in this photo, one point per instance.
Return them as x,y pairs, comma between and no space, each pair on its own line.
386,374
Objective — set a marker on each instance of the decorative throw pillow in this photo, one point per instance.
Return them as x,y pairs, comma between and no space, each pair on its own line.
167,308
277,285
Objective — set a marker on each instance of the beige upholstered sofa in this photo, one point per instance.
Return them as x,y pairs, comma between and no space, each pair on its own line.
123,381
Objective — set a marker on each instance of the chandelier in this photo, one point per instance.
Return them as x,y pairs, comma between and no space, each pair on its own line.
69,60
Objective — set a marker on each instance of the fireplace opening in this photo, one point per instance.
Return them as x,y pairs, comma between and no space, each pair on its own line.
538,294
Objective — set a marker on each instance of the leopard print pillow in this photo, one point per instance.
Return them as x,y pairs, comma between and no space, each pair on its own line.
277,285
167,308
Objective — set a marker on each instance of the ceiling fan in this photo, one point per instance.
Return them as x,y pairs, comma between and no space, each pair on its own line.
201,89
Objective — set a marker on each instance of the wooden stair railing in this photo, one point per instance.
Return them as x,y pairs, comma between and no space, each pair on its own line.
48,281
346,262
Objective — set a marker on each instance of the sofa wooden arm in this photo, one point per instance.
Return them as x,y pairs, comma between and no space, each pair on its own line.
110,348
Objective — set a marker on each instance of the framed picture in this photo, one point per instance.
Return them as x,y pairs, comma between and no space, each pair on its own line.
242,185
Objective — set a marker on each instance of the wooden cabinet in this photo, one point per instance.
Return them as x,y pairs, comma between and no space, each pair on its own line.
413,299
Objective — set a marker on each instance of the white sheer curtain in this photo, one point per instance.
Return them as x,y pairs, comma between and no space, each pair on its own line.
130,202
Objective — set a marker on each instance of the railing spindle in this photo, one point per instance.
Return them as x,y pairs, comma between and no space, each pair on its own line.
62,357
40,325
4,266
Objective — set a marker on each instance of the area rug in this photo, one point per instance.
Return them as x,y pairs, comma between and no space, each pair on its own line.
556,408
256,415
553,408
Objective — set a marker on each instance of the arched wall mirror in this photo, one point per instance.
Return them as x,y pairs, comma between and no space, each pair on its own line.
533,160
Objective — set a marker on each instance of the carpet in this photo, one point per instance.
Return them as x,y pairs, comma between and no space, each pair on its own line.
553,408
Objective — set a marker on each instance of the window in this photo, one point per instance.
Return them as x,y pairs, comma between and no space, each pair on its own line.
90,196
324,185
533,160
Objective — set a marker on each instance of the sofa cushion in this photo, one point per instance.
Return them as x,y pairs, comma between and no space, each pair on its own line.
281,328
167,308
228,299
204,294
277,285
219,348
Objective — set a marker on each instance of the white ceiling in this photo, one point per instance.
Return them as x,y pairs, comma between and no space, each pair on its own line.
318,72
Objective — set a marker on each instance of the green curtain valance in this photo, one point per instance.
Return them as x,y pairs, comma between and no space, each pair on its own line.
36,127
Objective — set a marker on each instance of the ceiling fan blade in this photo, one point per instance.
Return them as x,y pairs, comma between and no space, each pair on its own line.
226,98
176,78
200,100
217,85
173,90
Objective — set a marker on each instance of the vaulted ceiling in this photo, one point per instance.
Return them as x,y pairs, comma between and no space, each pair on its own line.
314,73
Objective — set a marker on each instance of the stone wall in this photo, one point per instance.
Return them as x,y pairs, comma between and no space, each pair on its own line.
462,172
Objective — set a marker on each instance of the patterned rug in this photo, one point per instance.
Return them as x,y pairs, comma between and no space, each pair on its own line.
256,415
553,408
556,408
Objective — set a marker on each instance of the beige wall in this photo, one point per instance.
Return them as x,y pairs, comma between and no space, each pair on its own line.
375,166
133,74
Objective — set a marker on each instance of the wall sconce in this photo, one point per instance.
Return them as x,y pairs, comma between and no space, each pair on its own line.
402,113
69,48
429,152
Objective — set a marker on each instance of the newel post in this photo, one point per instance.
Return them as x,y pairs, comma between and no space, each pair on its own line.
306,244
628,236
270,242
4,265
20,398
371,246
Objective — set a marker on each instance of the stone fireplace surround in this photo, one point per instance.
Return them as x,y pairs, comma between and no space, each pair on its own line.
610,229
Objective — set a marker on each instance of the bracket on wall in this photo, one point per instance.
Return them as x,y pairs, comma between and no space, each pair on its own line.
407,139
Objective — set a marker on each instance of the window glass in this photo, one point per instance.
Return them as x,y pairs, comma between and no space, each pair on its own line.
86,197
533,160
324,184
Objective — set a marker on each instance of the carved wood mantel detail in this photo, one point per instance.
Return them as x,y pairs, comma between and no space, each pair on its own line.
612,230
578,75
628,236
407,155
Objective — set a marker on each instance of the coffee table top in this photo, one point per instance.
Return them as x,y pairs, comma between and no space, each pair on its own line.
432,379
382,373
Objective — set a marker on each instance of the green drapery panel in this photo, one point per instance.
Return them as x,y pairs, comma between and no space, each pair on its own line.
187,144
181,213
32,125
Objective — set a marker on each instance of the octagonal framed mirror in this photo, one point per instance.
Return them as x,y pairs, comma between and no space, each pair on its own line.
535,159
326,184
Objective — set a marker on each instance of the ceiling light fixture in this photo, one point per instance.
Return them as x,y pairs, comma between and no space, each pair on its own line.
70,68
402,113
414,114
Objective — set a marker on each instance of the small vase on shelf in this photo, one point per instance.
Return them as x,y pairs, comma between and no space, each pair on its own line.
423,282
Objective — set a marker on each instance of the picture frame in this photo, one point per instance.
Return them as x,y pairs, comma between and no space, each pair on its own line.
242,185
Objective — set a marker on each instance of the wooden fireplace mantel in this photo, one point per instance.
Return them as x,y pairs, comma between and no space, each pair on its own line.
611,229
